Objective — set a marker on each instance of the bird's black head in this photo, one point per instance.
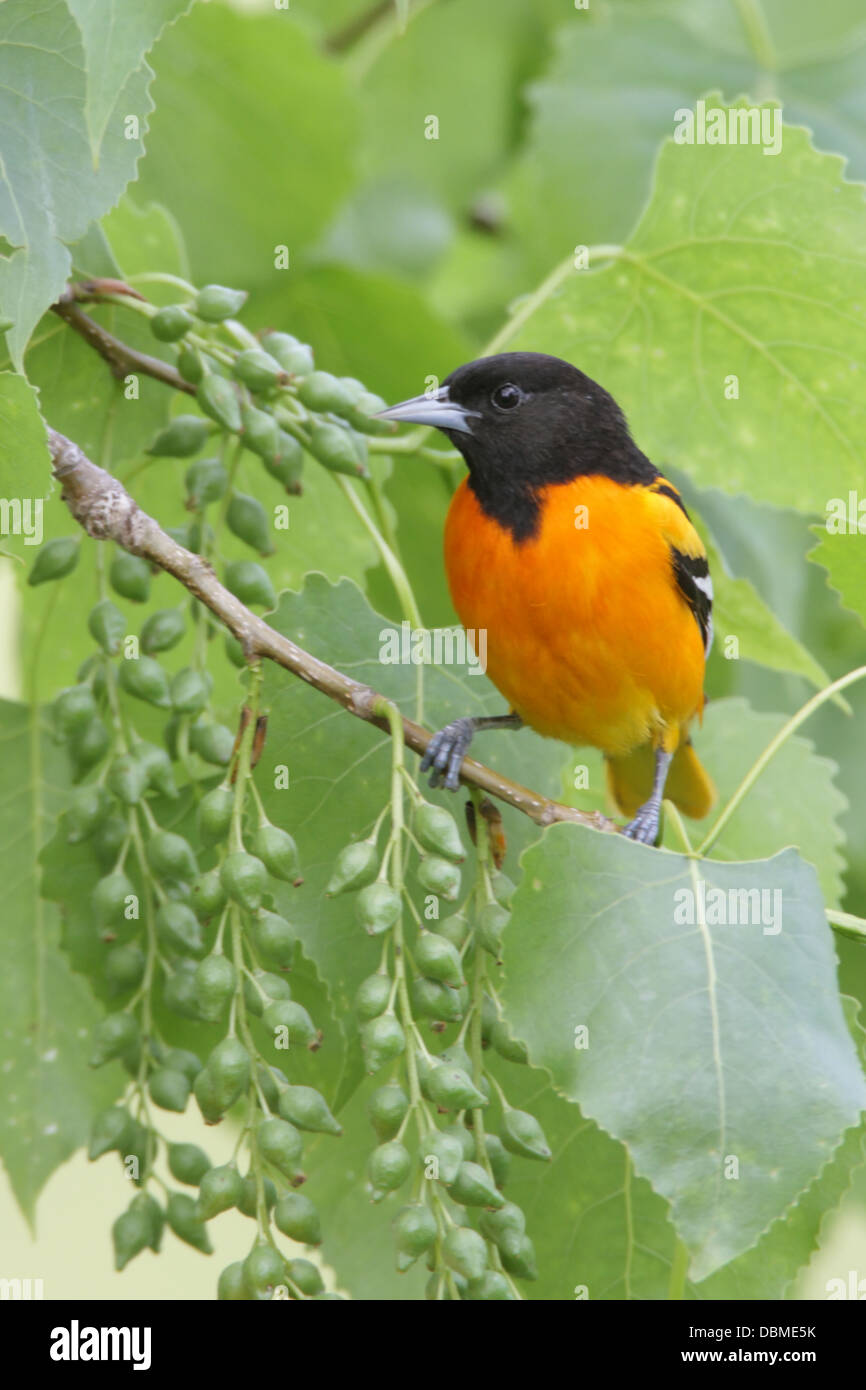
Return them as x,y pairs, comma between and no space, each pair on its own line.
523,420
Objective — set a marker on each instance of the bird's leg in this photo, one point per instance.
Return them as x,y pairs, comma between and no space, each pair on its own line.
447,749
644,826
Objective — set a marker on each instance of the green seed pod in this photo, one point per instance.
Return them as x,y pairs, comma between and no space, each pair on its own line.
450,1088
178,991
363,413
145,680
447,1151
335,449
505,1227
221,1188
489,1017
207,1094
108,841
234,651
387,1109
258,370
190,364
181,1059
245,879
215,983
457,1056
248,520
388,1168
356,866
273,987
286,464
127,779
107,626
437,831
492,920
372,997
454,929
249,1202
229,1070
88,746
188,1163
230,1285
277,851
130,576
162,631
281,1144
430,999
206,481
415,1232
170,856
503,889
522,1134
191,690
307,1109
249,582
507,1046
382,1039
113,1036
378,907
438,960
169,1089
521,1261
323,393
288,1015
298,1219
130,1234
294,357
213,303
181,438
499,1158
274,939
306,1276
218,399
208,895
213,743
474,1187
439,876
465,1252
124,968
109,1132
184,1220
54,560
214,814
179,929
73,709
261,433
171,323
88,809
492,1287
158,769
110,899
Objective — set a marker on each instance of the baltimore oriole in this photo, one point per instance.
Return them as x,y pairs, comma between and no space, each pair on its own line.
578,558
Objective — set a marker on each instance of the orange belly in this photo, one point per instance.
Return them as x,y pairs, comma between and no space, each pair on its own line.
588,637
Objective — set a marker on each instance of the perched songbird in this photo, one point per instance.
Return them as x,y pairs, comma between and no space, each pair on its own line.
578,559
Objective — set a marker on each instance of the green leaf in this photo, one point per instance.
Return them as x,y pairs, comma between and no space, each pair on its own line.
721,280
25,465
239,146
842,557
679,1016
47,1090
116,38
54,182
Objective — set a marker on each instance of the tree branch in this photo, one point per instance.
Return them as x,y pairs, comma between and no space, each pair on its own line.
121,359
104,509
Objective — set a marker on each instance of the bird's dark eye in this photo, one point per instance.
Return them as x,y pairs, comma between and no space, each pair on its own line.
507,397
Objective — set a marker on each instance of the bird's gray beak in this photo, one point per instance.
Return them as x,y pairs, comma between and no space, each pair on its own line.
436,409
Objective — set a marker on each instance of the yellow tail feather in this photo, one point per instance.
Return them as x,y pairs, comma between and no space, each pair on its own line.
630,779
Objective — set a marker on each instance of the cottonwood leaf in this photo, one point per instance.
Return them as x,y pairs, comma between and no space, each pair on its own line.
712,1049
25,465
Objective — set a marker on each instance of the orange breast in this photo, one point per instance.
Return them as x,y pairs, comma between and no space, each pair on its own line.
588,637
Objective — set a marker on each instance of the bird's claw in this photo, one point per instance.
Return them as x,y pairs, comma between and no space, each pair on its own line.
644,826
445,753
